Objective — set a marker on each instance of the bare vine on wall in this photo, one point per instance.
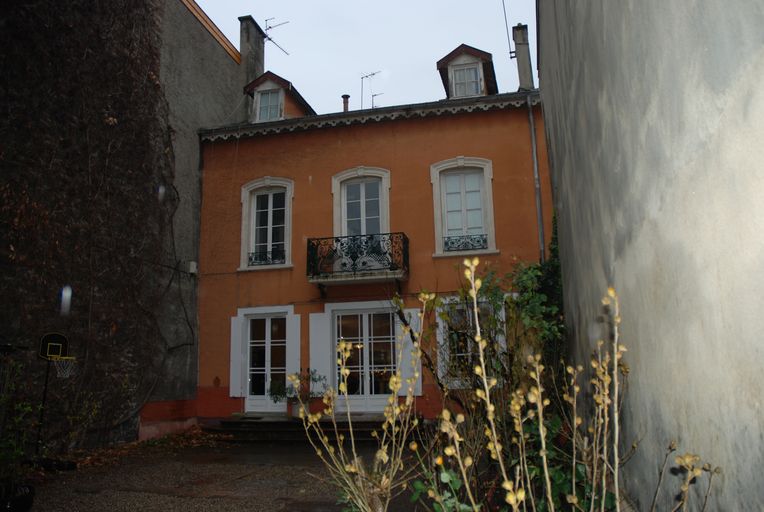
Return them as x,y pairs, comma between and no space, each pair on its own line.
86,199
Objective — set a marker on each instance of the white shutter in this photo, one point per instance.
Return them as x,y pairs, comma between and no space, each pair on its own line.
293,344
407,371
322,350
238,372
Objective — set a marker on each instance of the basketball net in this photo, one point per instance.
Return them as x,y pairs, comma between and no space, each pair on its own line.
65,366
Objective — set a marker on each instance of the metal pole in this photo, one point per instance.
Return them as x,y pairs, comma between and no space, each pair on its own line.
42,410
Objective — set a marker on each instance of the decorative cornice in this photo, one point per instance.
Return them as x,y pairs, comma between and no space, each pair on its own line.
377,115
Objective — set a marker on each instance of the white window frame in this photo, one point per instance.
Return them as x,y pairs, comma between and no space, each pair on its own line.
467,164
323,355
258,95
470,65
248,193
239,357
356,173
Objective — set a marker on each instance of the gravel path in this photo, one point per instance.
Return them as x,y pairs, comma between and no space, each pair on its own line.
251,477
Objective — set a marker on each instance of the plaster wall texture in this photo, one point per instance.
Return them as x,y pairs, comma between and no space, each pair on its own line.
654,113
203,86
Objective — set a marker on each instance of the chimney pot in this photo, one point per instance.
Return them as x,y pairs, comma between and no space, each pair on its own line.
523,56
345,102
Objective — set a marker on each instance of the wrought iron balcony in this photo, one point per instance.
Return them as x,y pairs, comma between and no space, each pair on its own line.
275,257
340,259
465,243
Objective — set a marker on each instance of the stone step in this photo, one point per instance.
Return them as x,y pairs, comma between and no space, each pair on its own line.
284,430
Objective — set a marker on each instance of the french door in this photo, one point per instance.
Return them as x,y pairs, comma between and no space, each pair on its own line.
267,362
360,207
372,360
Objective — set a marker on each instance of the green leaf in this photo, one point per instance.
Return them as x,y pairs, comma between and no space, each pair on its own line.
456,482
609,500
445,477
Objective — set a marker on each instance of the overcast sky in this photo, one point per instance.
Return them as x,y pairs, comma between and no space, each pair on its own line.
333,43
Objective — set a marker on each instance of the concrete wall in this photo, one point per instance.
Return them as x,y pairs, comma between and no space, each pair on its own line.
655,117
203,86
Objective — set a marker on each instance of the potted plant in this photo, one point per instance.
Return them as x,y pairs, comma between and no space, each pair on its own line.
307,388
15,418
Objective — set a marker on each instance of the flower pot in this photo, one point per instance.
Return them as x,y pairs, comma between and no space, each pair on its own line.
293,408
316,405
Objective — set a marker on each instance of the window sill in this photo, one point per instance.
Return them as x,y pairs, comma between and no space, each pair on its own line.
456,254
265,267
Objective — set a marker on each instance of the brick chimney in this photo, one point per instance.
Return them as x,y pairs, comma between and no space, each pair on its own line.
523,56
345,102
252,49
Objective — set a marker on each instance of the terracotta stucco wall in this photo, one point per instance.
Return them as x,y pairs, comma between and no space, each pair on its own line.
406,148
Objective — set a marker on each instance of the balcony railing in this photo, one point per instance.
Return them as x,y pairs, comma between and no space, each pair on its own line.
465,242
275,257
362,257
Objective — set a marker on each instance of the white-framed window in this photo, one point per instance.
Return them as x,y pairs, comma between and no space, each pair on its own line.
267,354
266,223
373,356
360,206
379,349
361,201
463,206
265,348
269,105
457,350
465,80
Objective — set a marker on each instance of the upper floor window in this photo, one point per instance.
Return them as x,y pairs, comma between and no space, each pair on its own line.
266,222
360,206
466,80
463,199
361,201
269,105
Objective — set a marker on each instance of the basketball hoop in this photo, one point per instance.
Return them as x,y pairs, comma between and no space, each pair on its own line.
65,366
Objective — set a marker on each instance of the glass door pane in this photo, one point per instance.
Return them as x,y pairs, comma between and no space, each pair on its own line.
373,357
267,356
361,207
257,356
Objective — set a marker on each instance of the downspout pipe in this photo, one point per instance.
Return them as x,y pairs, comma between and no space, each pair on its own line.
525,76
536,180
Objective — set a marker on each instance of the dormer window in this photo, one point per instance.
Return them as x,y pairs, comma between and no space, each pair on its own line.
269,106
275,99
466,81
467,72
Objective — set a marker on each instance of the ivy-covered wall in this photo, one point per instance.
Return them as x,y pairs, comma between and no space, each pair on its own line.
92,197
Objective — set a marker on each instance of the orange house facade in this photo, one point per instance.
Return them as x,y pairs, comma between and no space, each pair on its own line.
312,223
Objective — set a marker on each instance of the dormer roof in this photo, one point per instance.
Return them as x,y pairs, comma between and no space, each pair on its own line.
284,84
468,53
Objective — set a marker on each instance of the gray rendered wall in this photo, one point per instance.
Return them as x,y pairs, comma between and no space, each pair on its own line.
654,112
203,87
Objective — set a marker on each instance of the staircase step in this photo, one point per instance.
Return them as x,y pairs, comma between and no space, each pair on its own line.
252,429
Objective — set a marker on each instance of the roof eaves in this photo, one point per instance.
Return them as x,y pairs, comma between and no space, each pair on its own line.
369,116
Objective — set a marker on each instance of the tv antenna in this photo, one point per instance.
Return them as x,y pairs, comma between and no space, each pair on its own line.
374,96
268,27
364,77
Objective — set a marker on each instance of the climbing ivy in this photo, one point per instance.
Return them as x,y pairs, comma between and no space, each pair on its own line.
84,148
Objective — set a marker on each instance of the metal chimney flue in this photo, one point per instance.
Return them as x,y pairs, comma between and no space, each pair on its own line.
523,56
345,102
